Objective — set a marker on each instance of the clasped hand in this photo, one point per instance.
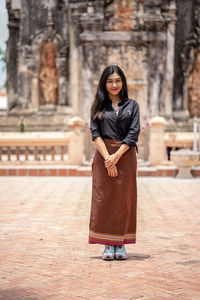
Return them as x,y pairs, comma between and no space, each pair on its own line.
110,164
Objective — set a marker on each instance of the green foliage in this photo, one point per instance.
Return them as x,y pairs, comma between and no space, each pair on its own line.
3,60
3,57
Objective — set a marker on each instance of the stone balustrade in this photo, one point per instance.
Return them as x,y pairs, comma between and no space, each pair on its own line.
179,139
161,140
44,147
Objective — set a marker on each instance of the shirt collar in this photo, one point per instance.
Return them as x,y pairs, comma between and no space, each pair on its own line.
121,103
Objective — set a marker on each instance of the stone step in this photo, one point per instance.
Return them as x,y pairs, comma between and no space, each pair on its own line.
53,170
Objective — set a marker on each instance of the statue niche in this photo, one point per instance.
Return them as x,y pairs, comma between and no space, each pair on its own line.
48,75
194,88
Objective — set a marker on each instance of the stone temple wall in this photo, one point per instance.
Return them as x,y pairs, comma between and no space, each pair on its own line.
139,37
69,42
186,98
34,23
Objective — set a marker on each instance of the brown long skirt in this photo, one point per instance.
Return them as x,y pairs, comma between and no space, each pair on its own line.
114,200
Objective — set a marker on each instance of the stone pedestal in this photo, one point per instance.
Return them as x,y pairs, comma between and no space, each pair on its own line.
157,149
184,159
76,141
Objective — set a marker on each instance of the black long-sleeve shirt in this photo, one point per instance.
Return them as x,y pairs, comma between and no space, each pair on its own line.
124,126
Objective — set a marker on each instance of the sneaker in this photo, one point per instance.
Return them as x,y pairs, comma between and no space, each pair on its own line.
120,252
109,253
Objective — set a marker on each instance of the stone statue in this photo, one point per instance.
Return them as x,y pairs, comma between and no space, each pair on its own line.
49,78
194,88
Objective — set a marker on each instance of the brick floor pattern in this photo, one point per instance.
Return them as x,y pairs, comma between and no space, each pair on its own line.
45,255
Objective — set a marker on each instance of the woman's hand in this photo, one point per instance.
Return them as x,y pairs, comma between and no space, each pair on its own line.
112,160
112,172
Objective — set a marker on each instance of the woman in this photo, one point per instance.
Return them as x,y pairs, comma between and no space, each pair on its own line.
115,127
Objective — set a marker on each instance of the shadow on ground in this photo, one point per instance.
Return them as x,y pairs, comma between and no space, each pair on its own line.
131,256
18,294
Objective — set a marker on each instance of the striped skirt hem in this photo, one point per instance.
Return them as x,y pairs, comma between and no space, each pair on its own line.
111,239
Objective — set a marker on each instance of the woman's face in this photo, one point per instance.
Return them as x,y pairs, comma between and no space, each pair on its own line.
114,84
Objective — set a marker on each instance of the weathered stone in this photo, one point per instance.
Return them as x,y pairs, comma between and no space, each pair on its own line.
157,149
187,43
194,88
184,159
123,15
40,24
139,36
48,75
76,141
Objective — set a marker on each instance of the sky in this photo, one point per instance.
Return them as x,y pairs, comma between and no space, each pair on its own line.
3,36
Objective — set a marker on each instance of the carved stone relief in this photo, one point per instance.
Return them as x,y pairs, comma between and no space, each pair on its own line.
194,88
48,74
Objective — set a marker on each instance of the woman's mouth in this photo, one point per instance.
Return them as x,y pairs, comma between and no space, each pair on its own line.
114,89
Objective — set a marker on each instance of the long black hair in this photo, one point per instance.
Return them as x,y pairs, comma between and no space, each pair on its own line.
101,97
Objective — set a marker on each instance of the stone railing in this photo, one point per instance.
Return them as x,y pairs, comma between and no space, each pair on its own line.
160,140
44,147
178,139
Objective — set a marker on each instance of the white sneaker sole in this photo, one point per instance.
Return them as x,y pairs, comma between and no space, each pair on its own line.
121,257
107,257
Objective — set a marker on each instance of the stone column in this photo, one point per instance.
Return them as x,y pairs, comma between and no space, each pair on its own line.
155,65
157,149
34,93
169,69
74,68
62,75
12,58
154,94
76,145
87,80
24,85
167,91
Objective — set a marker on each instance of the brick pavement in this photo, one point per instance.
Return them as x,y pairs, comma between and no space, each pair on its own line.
44,250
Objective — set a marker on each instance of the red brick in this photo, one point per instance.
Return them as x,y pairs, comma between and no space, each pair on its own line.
140,173
62,172
152,173
3,172
22,172
72,172
12,172
195,173
41,220
169,173
42,172
84,173
32,172
52,172
160,173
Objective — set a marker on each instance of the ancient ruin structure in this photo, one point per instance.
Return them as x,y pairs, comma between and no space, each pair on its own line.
69,42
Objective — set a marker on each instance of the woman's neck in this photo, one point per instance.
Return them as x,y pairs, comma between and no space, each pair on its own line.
114,98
